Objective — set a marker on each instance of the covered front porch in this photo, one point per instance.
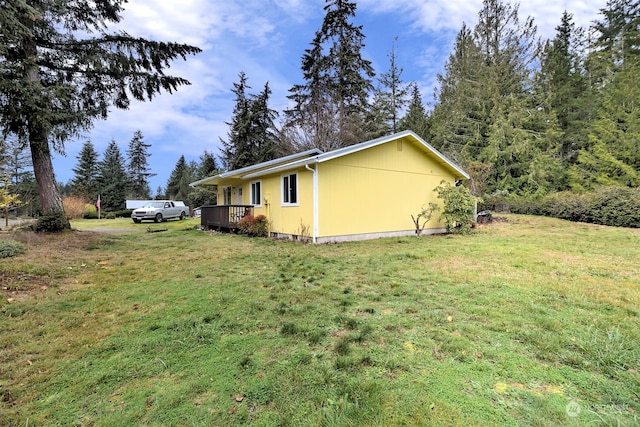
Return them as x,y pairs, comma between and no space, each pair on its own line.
223,217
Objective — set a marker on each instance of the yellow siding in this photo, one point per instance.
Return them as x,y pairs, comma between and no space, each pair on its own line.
287,219
377,190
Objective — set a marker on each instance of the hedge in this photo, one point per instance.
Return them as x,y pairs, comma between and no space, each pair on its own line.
616,206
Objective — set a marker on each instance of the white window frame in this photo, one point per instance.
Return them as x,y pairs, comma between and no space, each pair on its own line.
255,201
286,192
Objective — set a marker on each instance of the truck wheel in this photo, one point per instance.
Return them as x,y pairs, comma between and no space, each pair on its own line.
137,221
159,217
182,215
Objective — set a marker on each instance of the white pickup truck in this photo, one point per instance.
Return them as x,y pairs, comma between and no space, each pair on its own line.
160,210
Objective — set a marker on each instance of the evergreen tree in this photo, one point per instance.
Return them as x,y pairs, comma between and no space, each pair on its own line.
175,182
486,113
62,70
252,137
264,139
561,87
17,160
235,150
618,41
113,181
178,187
138,167
461,115
392,94
160,193
85,180
330,106
416,118
204,194
186,192
511,142
208,165
612,156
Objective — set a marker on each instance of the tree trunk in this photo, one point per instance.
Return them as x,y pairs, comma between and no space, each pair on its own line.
50,200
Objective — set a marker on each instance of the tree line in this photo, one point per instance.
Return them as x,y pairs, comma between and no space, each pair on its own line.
530,118
524,116
117,178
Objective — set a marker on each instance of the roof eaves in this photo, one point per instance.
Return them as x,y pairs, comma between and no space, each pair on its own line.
282,168
205,180
242,171
239,173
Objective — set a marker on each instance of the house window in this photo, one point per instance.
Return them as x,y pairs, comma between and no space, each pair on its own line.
226,192
256,193
290,189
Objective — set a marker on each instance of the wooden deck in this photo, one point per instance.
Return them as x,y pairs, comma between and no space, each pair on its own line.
223,217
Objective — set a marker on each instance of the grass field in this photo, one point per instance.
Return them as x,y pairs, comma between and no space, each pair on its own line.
528,321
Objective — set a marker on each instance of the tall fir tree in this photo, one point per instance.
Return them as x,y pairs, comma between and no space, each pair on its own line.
509,50
486,113
612,156
113,181
330,107
235,150
174,184
252,134
138,167
416,118
562,88
460,117
62,70
178,187
85,175
208,165
391,95
264,138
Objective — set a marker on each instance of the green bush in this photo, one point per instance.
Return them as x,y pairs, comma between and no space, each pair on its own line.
616,206
10,248
90,214
459,207
90,211
123,213
254,226
51,223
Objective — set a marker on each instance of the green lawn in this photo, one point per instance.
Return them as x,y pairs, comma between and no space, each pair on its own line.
528,321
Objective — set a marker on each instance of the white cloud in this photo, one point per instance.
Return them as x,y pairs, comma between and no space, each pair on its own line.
438,15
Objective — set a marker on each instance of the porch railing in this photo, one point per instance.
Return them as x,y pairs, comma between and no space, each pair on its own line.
224,217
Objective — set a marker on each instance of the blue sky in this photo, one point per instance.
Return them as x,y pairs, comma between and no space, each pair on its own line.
266,39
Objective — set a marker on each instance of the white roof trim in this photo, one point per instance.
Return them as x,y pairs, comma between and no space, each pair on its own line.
240,172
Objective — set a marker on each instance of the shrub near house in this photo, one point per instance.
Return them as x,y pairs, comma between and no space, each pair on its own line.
255,226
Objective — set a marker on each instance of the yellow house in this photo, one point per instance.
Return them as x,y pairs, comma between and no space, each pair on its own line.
364,191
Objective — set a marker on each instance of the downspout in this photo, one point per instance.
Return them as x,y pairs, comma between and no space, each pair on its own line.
315,201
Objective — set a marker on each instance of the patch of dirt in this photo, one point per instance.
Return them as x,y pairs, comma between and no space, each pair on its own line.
22,282
39,267
495,219
53,244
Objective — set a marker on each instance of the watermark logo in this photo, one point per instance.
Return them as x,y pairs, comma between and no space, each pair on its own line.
573,409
